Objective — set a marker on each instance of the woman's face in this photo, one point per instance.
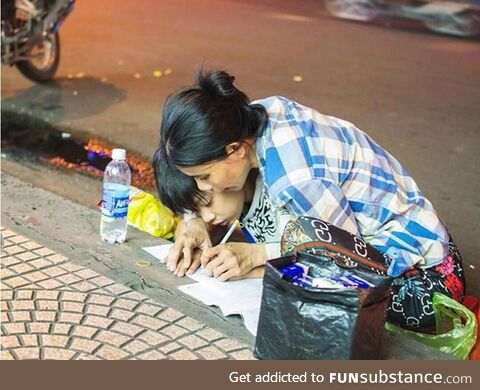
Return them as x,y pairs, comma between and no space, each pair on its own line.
222,207
228,175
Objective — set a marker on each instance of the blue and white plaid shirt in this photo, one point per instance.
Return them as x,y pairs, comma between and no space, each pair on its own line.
324,167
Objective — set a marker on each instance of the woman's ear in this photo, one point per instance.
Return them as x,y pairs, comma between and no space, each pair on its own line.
237,150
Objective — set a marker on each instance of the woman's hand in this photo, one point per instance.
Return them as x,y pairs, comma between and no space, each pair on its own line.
233,260
187,238
181,270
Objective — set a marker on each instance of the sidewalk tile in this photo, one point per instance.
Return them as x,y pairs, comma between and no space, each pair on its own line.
14,249
98,322
26,256
170,314
244,354
211,353
27,353
146,308
84,331
16,282
75,307
7,342
229,344
30,245
111,353
47,305
69,278
6,355
113,338
45,316
209,334
36,276
151,355
47,294
57,258
57,354
136,346
39,327
72,318
101,299
149,322
43,251
18,239
50,284
183,354
192,342
123,315
84,286
14,328
8,233
74,296
29,340
23,294
54,341
84,345
128,329
9,261
167,348
61,328
86,274
98,310
126,304
153,338
19,316
190,324
21,268
6,273
173,331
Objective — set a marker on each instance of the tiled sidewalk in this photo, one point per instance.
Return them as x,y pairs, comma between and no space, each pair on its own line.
52,308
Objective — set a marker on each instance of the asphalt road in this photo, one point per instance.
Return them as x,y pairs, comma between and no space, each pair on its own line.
415,92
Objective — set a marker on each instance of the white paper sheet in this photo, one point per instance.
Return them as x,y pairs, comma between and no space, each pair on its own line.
241,297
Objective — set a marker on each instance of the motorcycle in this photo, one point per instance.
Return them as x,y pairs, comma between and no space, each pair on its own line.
453,17
30,38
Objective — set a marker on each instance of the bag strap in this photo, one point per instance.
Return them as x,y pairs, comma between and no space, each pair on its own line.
359,259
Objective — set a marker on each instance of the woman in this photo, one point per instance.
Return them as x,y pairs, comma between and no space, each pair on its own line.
311,164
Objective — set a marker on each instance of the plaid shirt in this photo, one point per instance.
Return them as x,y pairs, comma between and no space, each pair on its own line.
324,167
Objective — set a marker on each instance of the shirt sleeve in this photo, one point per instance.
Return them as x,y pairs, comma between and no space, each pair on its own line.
320,199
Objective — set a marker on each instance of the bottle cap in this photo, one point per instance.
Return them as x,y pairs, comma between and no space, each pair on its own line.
118,154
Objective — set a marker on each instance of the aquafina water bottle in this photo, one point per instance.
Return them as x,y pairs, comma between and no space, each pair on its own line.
116,190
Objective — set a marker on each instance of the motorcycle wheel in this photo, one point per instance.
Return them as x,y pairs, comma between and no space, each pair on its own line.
43,61
359,10
461,25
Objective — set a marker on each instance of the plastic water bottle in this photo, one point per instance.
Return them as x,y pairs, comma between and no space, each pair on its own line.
116,190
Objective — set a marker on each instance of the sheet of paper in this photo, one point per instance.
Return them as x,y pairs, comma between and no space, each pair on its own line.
241,297
158,251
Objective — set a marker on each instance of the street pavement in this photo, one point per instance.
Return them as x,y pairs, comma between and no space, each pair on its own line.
416,93
52,308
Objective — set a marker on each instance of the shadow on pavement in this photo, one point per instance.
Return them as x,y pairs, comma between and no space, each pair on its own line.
65,99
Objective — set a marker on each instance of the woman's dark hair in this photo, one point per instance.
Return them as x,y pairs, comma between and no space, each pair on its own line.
199,122
176,190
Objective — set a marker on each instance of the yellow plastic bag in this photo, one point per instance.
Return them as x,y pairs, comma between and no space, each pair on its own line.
456,328
148,214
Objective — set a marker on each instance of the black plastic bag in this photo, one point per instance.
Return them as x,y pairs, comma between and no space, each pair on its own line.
314,323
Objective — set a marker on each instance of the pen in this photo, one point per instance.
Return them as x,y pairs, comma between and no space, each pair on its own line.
230,232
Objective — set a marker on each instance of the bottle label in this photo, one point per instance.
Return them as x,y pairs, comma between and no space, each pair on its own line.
115,202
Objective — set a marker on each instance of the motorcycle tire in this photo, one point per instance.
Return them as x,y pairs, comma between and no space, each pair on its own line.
43,71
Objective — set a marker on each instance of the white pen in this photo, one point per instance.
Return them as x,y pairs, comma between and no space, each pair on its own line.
230,232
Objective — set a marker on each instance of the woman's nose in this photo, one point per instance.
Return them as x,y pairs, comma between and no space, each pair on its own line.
207,216
203,185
